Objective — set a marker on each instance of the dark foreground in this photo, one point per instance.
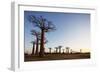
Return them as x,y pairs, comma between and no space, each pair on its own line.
55,56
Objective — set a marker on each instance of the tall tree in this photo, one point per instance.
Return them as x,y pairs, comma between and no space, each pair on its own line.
33,48
59,48
45,26
67,49
71,51
37,35
63,51
56,49
50,50
80,50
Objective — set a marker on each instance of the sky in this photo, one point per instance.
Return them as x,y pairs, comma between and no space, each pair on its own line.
72,30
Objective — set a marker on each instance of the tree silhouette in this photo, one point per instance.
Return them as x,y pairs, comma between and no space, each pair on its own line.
45,26
56,49
67,49
33,48
50,50
59,48
80,50
71,51
63,51
37,35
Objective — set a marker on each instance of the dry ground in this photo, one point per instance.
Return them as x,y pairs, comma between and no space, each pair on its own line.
55,56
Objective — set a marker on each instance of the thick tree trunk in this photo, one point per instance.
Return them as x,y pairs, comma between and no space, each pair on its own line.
33,48
63,51
80,50
56,50
71,51
67,50
50,50
42,44
37,41
59,50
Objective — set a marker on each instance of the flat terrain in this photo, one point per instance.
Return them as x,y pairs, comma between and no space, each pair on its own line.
55,56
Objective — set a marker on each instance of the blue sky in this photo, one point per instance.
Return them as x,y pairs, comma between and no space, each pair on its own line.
72,29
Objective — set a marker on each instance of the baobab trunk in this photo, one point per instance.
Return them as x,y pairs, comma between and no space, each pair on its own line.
80,50
37,41
67,50
59,50
63,51
56,50
50,50
71,51
33,48
42,43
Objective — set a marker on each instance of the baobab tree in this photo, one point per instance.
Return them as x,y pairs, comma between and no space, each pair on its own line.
50,50
45,41
67,49
63,51
33,48
71,51
56,49
80,50
37,35
45,26
59,48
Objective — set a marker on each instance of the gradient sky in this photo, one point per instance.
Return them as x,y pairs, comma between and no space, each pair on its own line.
72,30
